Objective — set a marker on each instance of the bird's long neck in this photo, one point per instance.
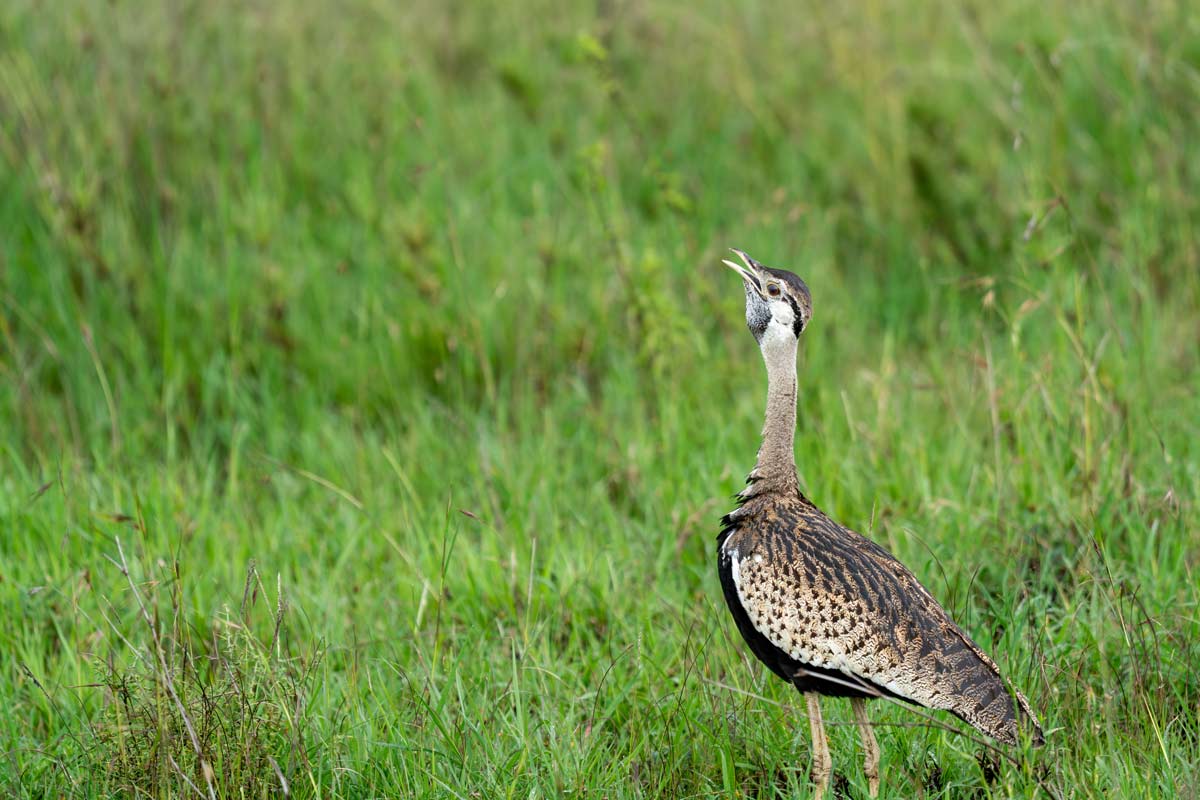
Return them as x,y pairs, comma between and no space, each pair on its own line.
776,466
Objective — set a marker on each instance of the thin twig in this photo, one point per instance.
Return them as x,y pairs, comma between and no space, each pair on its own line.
183,775
205,768
283,784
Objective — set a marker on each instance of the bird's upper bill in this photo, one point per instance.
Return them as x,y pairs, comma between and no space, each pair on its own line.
753,273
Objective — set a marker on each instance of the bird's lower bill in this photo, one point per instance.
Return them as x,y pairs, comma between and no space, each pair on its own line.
747,273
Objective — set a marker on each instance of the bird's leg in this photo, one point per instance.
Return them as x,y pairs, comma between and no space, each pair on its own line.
870,746
822,763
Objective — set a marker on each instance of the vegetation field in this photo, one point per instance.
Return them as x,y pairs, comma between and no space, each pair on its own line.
370,387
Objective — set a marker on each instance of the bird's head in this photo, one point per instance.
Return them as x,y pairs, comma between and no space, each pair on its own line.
778,305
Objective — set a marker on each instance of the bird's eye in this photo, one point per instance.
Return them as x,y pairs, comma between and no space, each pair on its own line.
773,290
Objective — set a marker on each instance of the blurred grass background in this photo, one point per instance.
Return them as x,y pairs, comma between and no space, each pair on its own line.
419,308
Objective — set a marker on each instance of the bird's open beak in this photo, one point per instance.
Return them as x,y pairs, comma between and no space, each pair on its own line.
750,273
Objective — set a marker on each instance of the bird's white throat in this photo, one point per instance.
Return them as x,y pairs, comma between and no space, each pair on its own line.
776,466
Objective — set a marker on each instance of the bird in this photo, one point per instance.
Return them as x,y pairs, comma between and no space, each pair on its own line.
824,608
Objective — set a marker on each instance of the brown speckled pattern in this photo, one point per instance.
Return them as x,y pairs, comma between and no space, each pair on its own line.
831,606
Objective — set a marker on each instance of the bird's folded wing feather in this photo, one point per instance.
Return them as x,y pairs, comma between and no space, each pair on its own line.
840,602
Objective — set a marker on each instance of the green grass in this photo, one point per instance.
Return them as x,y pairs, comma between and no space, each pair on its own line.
418,307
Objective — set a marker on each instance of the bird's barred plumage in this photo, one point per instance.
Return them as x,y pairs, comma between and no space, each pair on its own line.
830,611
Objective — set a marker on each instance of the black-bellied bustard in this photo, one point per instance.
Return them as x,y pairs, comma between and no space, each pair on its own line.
825,608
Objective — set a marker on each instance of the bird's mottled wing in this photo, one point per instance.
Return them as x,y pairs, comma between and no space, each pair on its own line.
831,599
